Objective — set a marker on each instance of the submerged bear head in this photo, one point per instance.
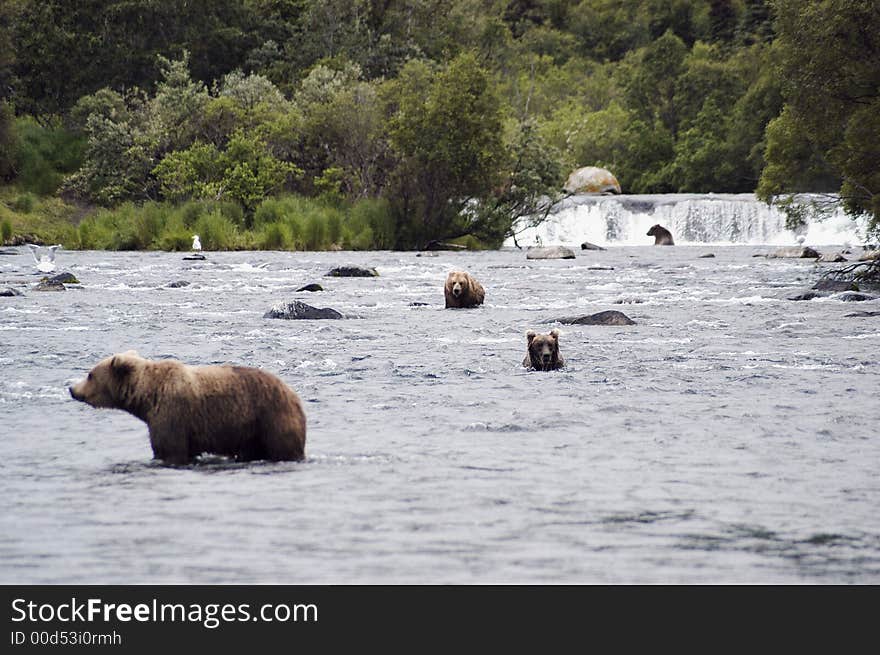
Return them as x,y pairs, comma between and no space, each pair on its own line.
543,351
106,381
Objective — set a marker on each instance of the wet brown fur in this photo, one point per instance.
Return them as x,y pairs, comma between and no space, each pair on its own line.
470,292
543,351
662,236
245,413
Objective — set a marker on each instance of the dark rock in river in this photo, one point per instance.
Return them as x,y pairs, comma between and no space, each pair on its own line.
299,310
854,296
195,257
586,245
795,252
56,283
862,314
8,292
550,252
4,251
178,284
708,255
49,285
809,295
834,286
311,287
419,304
610,317
352,271
61,278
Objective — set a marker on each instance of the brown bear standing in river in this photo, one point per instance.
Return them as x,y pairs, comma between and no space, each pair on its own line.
662,236
543,351
241,412
463,290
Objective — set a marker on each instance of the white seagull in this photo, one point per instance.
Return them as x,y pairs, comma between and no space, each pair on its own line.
45,261
197,245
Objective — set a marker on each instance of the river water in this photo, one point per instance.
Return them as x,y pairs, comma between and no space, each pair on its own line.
730,436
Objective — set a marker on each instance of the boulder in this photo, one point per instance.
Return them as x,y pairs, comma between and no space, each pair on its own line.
352,271
6,251
177,284
870,255
311,287
8,292
708,255
855,296
549,252
299,310
586,245
61,278
795,252
610,317
834,286
195,257
591,179
832,258
50,285
809,295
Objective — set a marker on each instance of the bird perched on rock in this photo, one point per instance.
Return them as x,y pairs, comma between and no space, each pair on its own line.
45,260
197,245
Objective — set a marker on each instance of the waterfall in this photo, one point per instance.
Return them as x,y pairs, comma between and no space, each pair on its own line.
721,219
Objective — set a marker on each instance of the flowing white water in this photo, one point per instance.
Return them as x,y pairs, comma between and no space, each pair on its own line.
692,218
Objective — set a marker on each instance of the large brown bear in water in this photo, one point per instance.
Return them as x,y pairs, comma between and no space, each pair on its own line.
543,351
241,412
662,236
463,290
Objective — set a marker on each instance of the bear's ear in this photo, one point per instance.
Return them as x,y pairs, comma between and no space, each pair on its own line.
120,365
530,335
554,333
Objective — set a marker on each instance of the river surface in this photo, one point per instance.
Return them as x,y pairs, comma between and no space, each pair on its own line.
730,436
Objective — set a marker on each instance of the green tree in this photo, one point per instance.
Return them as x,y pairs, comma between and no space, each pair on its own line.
830,67
446,134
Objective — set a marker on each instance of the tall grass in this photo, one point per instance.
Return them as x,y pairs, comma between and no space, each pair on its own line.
282,223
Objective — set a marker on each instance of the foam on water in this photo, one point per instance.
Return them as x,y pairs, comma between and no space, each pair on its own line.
705,219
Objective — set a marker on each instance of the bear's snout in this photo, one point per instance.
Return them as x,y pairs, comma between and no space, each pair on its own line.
456,289
74,394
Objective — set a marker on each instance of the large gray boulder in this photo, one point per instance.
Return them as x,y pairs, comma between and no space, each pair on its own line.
592,179
550,252
297,310
610,317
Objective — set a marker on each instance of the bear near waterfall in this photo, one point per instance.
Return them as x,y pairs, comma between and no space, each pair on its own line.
543,351
241,412
463,290
662,236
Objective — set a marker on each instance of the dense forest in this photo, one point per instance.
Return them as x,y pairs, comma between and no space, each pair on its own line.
359,124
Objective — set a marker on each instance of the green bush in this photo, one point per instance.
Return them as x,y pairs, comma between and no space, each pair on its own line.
5,231
44,155
24,203
275,236
216,231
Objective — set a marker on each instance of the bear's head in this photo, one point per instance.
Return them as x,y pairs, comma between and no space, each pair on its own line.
107,382
543,350
458,283
656,230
